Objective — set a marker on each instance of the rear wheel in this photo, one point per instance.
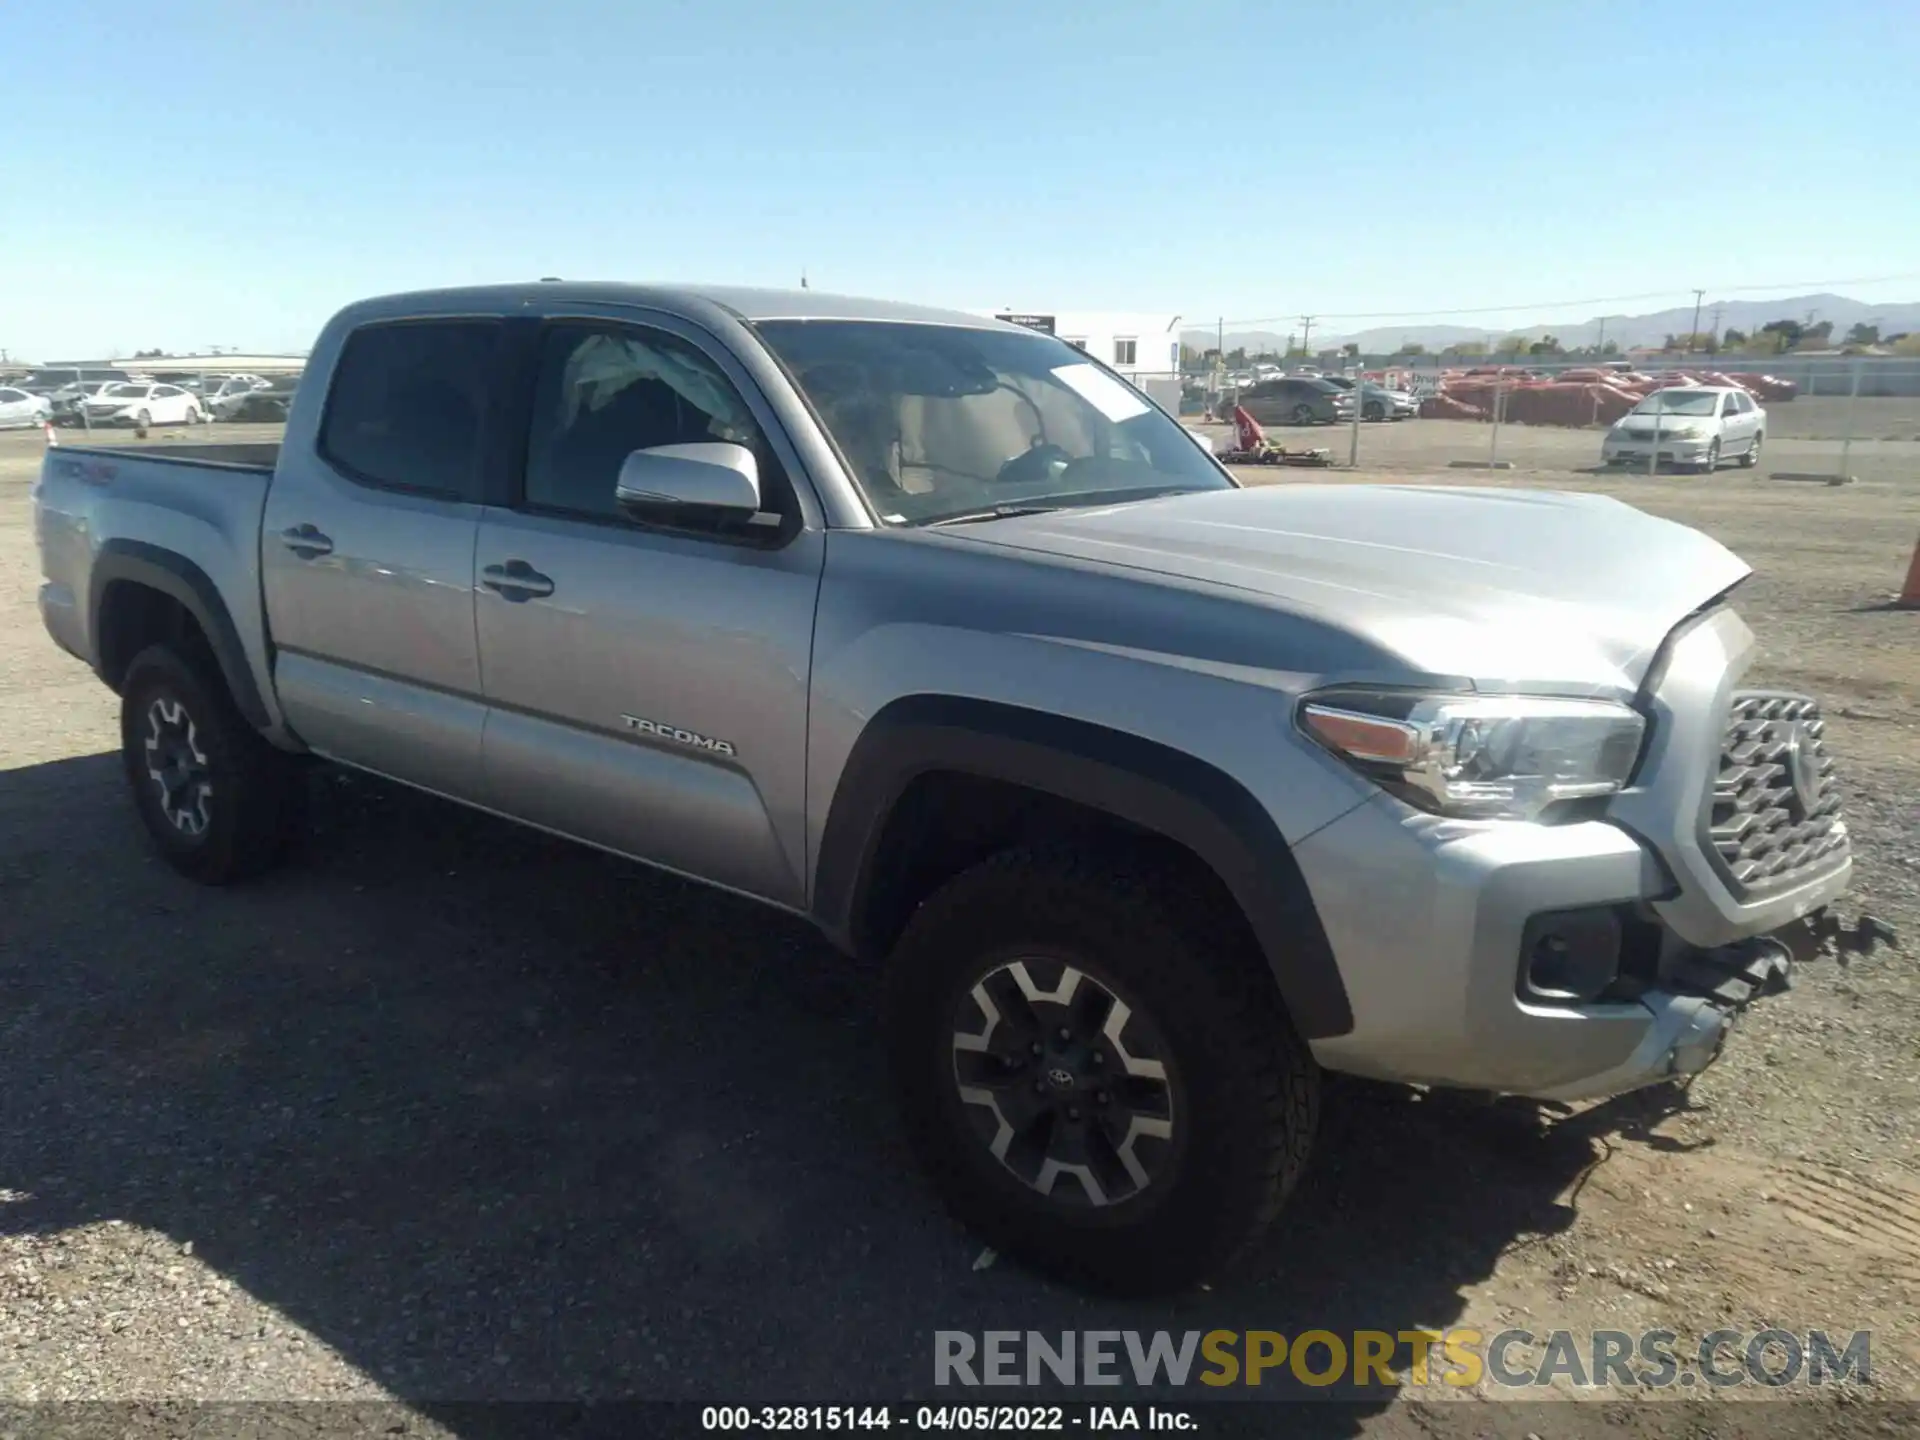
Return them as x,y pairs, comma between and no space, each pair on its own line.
1712,462
1101,1082
1375,411
219,802
1750,457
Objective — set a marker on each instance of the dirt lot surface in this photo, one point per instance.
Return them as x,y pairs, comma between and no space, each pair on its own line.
450,1111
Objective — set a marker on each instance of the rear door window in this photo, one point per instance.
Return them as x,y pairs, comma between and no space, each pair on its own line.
407,403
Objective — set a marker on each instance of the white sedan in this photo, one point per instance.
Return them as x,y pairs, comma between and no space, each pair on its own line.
1697,426
18,408
232,392
132,402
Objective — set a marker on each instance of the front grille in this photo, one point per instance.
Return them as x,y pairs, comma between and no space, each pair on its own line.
1776,808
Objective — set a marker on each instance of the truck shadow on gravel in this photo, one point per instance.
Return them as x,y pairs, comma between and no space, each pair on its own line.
494,1116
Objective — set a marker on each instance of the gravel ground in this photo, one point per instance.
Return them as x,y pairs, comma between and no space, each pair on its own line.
451,1111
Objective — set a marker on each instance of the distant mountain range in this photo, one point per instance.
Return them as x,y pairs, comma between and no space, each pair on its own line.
1625,331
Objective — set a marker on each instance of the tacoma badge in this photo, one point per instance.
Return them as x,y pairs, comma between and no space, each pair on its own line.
677,735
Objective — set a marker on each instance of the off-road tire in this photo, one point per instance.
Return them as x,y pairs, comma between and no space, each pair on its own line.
256,798
1248,1097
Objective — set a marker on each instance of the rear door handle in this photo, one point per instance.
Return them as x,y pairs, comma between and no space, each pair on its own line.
516,580
307,541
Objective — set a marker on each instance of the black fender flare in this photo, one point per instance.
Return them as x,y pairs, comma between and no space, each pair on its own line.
1143,782
175,576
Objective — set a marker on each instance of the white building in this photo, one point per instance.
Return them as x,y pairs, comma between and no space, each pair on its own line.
1143,347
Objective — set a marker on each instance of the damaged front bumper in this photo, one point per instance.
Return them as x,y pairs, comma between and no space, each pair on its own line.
1704,992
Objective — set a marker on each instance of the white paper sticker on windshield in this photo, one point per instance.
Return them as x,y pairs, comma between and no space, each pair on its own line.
1101,390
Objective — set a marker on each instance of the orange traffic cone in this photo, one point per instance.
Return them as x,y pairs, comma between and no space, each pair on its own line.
1909,598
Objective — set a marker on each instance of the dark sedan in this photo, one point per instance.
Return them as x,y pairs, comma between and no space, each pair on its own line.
1297,400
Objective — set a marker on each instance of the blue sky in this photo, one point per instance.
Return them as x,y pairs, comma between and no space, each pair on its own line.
229,173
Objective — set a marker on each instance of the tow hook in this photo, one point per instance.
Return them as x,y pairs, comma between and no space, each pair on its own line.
1832,936
1734,976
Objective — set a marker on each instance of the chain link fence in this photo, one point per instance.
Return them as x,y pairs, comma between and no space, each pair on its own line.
1832,417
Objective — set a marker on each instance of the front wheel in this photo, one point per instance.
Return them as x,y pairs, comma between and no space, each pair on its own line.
1100,1080
218,801
1303,415
1750,457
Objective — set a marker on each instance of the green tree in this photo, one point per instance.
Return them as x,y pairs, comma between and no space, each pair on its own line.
1787,333
1351,350
1906,344
1545,345
1413,347
1468,349
1512,345
1864,334
1736,340
1611,348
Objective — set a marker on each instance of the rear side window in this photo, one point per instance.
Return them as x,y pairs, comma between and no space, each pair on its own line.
406,405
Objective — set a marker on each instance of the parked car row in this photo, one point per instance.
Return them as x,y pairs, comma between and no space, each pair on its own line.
114,397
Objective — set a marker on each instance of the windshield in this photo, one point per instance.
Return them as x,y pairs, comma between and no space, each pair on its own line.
1679,402
938,421
124,389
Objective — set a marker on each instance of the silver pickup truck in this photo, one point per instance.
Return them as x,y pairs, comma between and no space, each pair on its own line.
1158,795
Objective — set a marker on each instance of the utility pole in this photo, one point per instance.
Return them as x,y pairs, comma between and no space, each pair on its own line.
1600,341
1716,327
1694,329
1306,335
1219,377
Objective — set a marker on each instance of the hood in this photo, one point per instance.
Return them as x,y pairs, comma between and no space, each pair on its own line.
1666,419
1506,588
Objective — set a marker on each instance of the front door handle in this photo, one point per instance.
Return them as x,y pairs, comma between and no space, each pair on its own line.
307,541
516,580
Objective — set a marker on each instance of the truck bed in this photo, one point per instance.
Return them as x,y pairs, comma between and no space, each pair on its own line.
222,455
181,519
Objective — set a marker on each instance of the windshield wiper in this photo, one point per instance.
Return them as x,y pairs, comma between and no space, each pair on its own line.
1076,500
996,512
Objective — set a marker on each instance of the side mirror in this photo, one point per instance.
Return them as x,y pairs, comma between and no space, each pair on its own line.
673,484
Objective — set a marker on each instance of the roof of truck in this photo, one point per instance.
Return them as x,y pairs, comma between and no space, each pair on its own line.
747,303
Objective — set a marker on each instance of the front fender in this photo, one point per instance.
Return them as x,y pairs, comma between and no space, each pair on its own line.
1141,781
